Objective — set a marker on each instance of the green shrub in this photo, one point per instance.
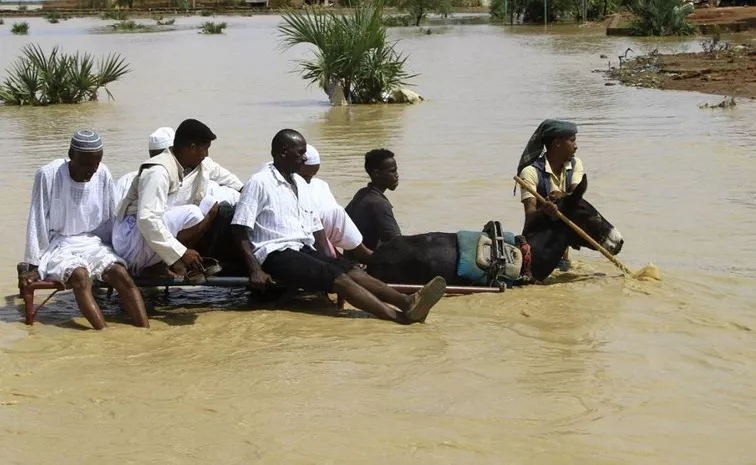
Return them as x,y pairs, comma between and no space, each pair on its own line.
39,79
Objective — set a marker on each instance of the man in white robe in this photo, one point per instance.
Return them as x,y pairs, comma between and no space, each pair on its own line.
222,185
339,228
167,209
68,231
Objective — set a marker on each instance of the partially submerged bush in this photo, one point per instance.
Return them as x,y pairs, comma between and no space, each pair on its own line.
209,27
54,17
129,26
20,29
661,18
206,13
352,51
39,79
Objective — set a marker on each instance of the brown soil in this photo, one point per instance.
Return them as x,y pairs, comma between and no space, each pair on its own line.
730,72
723,15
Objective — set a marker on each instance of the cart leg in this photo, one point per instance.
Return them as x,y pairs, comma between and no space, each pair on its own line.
28,295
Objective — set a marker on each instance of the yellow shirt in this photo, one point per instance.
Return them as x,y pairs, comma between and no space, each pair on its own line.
558,183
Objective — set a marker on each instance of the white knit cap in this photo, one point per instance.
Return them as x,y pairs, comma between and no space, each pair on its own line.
312,156
162,138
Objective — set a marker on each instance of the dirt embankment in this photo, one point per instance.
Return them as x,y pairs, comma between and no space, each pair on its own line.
723,69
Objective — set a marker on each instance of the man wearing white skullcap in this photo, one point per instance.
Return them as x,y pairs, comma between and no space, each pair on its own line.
157,143
170,206
68,231
339,228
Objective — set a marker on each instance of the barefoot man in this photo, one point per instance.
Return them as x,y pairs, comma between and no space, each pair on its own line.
281,239
68,232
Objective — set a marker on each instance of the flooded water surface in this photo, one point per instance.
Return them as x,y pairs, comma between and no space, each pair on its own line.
591,369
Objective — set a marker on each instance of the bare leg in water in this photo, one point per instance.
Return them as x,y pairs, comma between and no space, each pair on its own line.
373,296
131,298
81,284
365,300
380,290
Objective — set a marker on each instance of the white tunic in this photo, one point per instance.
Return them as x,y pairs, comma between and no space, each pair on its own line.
70,222
276,216
149,236
339,227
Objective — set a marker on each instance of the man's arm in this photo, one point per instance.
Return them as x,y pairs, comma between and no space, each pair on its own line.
153,195
387,226
577,175
38,224
221,175
321,243
245,216
532,212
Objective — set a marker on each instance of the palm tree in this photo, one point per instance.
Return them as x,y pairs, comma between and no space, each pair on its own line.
351,50
40,79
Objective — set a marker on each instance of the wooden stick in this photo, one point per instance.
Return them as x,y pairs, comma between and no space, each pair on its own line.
577,229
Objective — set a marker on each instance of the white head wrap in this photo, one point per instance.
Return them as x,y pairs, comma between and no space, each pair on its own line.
162,138
312,156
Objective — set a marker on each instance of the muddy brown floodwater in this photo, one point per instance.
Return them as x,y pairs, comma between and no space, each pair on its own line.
590,369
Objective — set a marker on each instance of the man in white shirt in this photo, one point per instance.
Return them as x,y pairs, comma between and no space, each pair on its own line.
281,238
338,226
166,210
68,231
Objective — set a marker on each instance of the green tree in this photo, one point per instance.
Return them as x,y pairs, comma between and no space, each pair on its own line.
419,9
351,50
661,18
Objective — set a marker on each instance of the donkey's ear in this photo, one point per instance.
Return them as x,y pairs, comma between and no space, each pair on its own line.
581,188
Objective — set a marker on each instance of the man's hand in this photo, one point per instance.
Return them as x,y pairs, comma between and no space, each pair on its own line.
556,196
29,277
192,260
213,211
259,280
549,208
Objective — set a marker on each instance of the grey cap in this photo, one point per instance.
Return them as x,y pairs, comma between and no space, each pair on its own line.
86,141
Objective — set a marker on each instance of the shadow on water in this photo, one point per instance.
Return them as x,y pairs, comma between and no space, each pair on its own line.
179,307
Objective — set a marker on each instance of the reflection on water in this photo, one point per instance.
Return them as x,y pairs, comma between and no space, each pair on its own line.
592,368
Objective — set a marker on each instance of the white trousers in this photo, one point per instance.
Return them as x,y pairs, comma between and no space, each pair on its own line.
66,253
129,243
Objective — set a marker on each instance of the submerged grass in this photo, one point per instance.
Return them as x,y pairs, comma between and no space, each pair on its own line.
20,29
210,27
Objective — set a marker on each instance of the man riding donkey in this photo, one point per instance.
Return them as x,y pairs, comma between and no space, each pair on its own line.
69,227
281,237
549,165
167,211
